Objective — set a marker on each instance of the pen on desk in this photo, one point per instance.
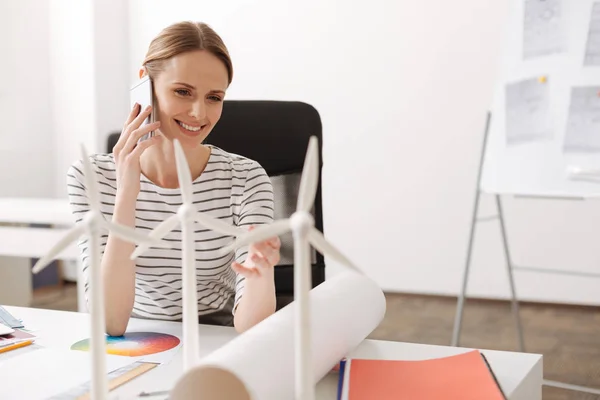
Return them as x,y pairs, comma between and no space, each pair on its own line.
15,346
150,394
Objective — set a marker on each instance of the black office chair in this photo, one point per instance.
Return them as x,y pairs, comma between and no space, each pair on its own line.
275,134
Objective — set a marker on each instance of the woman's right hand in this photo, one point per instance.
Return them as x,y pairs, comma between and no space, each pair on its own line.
127,151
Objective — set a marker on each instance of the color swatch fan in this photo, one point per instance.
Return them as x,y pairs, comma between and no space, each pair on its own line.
134,344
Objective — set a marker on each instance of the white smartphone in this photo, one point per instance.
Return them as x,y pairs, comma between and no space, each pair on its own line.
141,93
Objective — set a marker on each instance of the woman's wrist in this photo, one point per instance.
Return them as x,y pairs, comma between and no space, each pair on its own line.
124,211
266,279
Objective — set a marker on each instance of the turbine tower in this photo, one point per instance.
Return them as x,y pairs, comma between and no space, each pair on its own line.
301,223
186,216
90,226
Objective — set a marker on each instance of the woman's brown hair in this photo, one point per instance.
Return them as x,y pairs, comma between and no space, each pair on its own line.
182,37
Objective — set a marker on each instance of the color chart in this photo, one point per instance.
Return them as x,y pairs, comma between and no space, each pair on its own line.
134,344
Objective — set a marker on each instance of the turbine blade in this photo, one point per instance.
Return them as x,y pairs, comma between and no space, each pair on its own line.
218,225
310,177
158,233
183,173
165,227
259,234
62,244
129,234
316,238
91,182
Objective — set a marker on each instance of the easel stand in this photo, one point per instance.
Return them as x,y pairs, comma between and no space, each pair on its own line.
510,267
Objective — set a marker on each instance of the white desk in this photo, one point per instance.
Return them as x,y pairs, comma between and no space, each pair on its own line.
19,239
49,211
519,374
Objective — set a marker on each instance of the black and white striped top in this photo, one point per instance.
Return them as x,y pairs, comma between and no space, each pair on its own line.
232,188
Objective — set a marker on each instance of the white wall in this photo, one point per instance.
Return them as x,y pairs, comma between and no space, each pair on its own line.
111,62
403,93
65,83
64,69
89,74
26,125
74,89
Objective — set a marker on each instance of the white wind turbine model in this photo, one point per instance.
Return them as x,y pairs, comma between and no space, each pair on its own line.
91,225
186,216
301,223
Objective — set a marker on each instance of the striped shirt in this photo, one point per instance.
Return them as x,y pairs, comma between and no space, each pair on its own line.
232,188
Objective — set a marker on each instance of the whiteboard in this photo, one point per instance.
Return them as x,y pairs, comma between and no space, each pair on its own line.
539,165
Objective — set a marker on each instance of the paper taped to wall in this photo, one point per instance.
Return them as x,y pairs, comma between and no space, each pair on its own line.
527,111
543,31
259,364
583,124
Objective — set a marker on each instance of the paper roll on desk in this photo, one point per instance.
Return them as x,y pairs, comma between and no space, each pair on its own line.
259,364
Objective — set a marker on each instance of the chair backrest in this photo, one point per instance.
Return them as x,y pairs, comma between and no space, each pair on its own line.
276,135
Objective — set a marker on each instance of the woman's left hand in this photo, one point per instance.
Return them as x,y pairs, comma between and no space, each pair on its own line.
261,259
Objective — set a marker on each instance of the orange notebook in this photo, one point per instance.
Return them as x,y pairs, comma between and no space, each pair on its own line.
465,376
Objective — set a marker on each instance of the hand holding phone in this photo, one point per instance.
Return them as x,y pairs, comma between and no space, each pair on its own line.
133,141
141,93
129,148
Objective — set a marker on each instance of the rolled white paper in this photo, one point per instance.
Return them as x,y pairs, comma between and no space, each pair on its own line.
259,364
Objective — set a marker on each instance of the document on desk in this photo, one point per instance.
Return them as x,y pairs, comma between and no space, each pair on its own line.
466,376
54,371
527,111
543,30
583,124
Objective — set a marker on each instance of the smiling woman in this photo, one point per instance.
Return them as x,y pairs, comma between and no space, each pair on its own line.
190,69
190,91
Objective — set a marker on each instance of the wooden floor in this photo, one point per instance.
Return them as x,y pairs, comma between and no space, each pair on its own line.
568,337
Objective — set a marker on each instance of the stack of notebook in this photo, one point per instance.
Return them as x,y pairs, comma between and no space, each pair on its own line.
465,376
16,340
11,335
